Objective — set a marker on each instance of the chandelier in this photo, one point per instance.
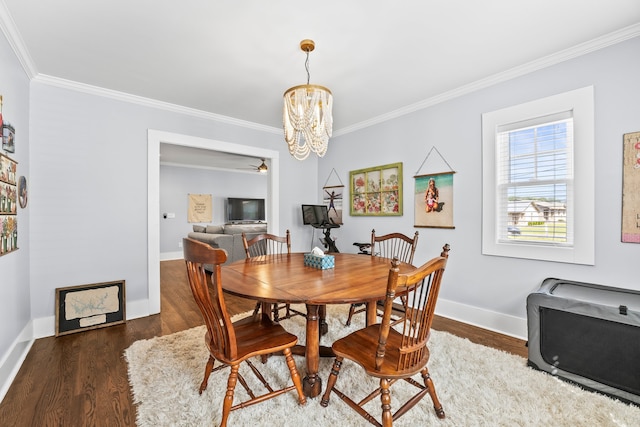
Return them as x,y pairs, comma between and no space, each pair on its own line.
307,118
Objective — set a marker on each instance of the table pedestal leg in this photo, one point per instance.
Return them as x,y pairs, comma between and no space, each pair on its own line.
312,384
372,313
324,327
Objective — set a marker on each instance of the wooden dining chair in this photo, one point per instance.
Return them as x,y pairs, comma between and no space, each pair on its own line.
393,245
268,244
395,353
234,343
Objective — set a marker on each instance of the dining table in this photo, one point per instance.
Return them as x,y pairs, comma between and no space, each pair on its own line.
285,278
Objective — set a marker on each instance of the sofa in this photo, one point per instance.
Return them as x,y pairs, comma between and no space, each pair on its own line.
227,237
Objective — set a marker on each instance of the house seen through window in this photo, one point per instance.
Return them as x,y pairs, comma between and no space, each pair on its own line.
535,179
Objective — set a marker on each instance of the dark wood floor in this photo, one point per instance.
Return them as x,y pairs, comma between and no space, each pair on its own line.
81,379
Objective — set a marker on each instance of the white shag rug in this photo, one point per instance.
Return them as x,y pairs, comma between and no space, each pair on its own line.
477,386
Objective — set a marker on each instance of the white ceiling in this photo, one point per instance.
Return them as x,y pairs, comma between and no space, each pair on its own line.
236,58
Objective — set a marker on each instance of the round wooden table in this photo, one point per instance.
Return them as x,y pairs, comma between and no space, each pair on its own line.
284,278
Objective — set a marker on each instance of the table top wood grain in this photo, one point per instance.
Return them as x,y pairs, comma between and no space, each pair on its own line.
284,278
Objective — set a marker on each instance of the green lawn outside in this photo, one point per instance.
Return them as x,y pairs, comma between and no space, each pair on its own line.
549,231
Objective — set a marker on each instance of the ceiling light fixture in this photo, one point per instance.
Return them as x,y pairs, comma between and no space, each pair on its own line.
307,117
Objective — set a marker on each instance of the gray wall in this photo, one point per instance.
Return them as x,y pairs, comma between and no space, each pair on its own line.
89,188
488,290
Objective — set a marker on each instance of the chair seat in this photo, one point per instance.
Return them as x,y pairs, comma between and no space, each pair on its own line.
360,346
257,337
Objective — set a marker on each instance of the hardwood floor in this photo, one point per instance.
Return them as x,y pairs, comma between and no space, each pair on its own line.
81,379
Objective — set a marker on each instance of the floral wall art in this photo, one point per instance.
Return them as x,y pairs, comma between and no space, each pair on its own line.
376,191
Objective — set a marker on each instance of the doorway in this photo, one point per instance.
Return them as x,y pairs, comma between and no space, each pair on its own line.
154,139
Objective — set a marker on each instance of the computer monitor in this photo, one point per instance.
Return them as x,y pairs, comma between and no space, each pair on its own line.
315,215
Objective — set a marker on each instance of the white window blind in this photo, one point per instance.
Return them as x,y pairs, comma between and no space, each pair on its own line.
535,181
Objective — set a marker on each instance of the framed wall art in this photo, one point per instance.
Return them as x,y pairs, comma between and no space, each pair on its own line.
22,192
8,138
631,188
433,200
93,306
333,200
376,191
200,208
332,196
8,205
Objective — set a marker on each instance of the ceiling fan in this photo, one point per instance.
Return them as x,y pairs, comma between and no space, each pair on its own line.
262,168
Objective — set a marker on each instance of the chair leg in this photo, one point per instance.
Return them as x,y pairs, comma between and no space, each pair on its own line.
228,398
207,372
256,310
288,306
352,308
335,370
428,382
385,398
295,376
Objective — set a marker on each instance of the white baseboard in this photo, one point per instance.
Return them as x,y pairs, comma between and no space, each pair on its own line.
46,326
137,309
486,319
167,256
13,358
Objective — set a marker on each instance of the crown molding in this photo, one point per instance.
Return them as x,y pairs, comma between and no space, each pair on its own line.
11,33
544,62
148,102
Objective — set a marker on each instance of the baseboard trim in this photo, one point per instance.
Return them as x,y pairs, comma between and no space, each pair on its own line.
46,326
497,322
168,256
14,357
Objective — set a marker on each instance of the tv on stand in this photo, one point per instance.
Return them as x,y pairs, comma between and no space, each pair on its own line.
241,210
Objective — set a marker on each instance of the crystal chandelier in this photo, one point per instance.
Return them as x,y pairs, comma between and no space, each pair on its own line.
307,118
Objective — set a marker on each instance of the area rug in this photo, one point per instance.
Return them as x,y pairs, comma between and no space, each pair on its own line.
477,386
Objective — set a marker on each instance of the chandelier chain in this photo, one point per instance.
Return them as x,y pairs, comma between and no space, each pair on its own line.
306,66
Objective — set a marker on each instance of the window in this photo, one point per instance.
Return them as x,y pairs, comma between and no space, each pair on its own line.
538,179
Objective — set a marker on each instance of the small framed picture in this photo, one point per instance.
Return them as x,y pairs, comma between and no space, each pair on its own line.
22,192
8,138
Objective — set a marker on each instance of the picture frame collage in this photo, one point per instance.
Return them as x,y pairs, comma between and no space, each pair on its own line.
13,189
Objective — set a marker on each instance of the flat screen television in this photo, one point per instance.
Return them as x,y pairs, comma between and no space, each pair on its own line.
315,214
245,210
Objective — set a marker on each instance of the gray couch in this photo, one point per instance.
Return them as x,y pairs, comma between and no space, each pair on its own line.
227,237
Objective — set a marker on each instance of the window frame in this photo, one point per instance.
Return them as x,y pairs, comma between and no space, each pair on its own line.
581,103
